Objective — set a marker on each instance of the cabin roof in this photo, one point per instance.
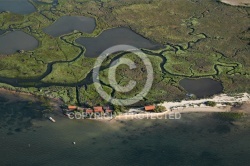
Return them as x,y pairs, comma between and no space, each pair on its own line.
98,109
149,108
72,107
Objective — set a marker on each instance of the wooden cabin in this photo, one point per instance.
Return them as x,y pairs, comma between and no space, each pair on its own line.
149,108
98,109
72,107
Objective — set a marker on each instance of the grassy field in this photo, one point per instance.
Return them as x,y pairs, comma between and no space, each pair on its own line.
201,39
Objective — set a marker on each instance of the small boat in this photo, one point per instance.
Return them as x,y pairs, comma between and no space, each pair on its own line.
52,120
74,143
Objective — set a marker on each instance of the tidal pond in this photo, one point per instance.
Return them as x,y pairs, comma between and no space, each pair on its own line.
17,6
112,37
202,87
67,24
14,41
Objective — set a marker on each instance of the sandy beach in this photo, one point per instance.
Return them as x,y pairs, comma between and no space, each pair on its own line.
195,106
219,99
237,2
171,114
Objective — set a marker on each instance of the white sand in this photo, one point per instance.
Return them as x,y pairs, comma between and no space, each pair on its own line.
172,113
185,106
223,98
237,2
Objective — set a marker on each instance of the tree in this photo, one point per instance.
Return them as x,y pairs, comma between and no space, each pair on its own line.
119,109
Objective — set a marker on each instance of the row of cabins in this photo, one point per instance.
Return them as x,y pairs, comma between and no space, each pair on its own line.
97,109
100,109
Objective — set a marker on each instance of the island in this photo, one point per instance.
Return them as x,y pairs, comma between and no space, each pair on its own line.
197,50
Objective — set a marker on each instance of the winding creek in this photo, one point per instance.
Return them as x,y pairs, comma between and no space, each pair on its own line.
92,47
23,127
36,82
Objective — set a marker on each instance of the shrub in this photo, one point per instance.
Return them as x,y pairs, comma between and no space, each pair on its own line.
210,103
160,108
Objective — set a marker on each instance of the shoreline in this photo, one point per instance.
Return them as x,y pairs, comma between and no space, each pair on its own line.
196,106
182,107
171,114
15,95
221,100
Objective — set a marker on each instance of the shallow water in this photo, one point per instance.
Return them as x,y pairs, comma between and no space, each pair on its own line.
17,6
11,42
195,139
112,37
202,87
67,24
2,32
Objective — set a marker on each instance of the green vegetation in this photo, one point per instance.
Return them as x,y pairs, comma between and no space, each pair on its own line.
160,108
201,39
119,109
210,103
90,97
